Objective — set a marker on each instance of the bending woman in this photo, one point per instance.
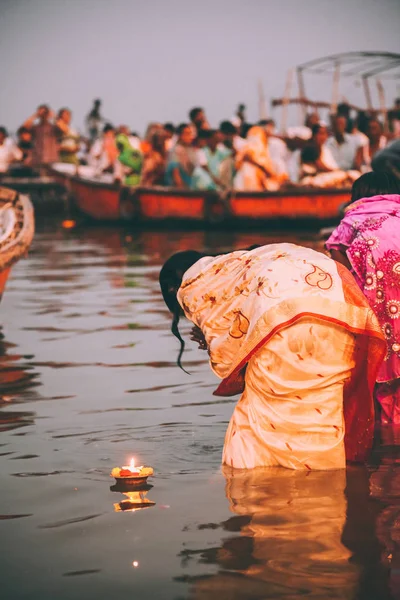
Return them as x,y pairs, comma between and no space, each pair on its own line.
367,241
289,328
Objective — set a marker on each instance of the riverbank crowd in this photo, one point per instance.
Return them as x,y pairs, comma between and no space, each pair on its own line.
193,155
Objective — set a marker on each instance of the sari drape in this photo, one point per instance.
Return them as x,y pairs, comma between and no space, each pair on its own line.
242,300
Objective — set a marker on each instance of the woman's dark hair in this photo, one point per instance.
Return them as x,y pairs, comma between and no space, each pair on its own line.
171,276
63,110
375,184
170,279
310,153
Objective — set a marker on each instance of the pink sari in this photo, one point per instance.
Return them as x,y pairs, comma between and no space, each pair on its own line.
370,235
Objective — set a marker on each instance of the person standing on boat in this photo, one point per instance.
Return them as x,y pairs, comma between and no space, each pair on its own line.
182,159
68,138
198,120
94,121
367,242
9,151
44,136
288,328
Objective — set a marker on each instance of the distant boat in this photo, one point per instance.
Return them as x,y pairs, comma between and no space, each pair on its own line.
45,192
16,230
103,200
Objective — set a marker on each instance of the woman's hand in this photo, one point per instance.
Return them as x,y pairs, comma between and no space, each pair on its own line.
197,336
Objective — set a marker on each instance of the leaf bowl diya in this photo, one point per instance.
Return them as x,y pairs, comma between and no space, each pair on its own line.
131,475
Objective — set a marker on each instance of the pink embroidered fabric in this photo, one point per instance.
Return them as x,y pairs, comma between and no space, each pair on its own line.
370,236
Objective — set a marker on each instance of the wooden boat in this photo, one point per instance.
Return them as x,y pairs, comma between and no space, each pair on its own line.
16,230
103,200
45,191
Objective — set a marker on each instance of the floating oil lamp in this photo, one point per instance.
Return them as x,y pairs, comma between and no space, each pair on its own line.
68,224
136,501
132,475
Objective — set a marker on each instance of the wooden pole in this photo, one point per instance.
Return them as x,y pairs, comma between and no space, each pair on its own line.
335,88
285,100
262,106
302,94
367,92
382,103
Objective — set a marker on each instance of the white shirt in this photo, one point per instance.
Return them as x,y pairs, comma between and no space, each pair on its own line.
301,131
238,142
279,154
344,154
9,152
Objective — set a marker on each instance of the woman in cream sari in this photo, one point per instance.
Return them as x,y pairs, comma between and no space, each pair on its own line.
290,329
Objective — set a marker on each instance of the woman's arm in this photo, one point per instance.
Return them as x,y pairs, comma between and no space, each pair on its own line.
177,179
341,258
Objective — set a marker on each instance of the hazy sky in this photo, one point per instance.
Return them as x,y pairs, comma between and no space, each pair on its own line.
154,59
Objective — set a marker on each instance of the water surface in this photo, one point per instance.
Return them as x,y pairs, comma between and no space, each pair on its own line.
88,379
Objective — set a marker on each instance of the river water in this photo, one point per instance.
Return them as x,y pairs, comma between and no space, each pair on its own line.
88,379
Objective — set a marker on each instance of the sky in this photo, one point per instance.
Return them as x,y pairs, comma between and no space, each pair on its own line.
152,60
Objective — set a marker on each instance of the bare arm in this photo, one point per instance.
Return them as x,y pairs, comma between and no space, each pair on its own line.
177,179
29,122
341,258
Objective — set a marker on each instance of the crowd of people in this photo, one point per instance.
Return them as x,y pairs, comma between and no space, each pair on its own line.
193,155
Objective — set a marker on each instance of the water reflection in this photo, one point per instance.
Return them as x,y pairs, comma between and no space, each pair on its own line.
297,534
87,302
16,377
135,501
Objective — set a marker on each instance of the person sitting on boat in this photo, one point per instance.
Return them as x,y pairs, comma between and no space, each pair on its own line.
104,153
297,136
9,151
343,146
155,159
277,148
318,168
69,139
182,159
44,136
132,136
230,137
129,163
367,242
171,138
255,170
288,328
376,141
394,119
210,157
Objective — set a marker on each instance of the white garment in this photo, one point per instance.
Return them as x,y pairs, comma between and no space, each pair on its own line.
361,138
238,143
345,153
134,142
279,154
9,152
301,131
295,168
